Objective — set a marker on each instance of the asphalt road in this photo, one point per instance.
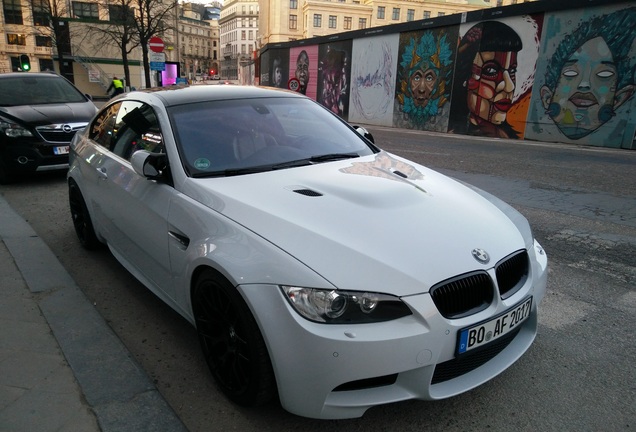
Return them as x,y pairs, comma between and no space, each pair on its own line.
578,376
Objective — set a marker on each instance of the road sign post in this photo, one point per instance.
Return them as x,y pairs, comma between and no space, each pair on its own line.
156,44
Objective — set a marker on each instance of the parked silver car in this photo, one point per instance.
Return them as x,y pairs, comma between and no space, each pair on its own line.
315,266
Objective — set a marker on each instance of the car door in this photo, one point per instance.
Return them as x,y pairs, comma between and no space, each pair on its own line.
132,209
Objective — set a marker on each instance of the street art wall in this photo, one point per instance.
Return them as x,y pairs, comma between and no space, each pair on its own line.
566,75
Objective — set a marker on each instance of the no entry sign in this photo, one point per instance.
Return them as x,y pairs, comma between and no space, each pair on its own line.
156,44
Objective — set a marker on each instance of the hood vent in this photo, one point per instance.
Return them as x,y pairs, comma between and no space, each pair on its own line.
308,192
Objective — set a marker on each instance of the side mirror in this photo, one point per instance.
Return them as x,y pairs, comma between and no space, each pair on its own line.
149,165
365,133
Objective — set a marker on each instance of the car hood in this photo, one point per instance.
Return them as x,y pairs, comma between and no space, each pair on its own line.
39,115
378,223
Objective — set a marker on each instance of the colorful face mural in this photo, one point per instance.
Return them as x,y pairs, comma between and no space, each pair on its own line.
491,86
423,80
373,80
333,77
485,80
589,76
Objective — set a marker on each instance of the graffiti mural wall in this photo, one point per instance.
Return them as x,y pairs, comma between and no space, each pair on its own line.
373,68
554,76
334,76
585,80
494,73
303,63
424,79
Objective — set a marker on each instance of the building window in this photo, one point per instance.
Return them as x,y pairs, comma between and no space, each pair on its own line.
317,20
333,21
250,36
43,41
426,15
293,4
499,3
396,14
347,23
362,23
85,10
46,64
16,39
380,12
293,22
441,13
12,12
243,35
120,13
410,14
40,13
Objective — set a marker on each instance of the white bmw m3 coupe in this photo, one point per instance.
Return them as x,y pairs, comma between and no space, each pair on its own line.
316,267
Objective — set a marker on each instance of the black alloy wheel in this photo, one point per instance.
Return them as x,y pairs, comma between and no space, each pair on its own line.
231,341
81,218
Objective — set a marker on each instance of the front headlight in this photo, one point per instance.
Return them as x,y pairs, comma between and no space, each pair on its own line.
344,307
13,130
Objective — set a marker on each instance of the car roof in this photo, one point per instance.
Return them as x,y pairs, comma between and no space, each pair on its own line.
29,74
179,95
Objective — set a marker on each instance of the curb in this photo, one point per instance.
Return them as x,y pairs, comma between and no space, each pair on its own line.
118,390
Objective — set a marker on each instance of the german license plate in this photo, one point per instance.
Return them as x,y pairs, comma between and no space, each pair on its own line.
488,331
61,150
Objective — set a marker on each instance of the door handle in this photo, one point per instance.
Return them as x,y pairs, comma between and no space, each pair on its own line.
101,173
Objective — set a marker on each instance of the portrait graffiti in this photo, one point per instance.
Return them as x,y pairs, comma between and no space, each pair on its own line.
590,75
333,73
373,80
485,80
424,80
303,65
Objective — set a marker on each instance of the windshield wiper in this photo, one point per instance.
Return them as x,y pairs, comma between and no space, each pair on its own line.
333,157
291,164
234,171
314,159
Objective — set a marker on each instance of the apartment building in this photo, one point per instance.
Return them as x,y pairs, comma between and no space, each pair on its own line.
24,31
199,40
288,20
190,35
239,35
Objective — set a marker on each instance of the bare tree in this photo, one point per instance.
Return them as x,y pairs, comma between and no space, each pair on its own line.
120,30
49,19
152,18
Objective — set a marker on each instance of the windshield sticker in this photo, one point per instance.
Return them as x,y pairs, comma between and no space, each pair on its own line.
202,164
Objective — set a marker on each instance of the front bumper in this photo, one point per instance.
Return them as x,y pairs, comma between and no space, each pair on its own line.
32,155
340,371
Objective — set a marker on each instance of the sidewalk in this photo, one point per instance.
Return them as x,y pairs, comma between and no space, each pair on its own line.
61,367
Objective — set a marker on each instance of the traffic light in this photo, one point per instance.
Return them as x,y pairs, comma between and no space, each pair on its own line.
211,71
25,63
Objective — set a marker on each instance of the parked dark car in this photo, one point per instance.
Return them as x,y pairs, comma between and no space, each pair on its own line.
39,115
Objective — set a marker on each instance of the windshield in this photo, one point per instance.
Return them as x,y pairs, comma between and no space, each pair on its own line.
235,137
37,90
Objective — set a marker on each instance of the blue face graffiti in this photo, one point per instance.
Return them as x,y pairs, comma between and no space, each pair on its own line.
425,66
588,78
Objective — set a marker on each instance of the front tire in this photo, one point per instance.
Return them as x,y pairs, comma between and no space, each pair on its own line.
81,218
231,341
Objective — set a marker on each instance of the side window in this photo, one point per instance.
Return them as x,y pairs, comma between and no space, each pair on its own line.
102,128
136,128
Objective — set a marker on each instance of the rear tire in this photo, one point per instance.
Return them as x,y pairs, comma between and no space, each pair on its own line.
231,341
81,218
